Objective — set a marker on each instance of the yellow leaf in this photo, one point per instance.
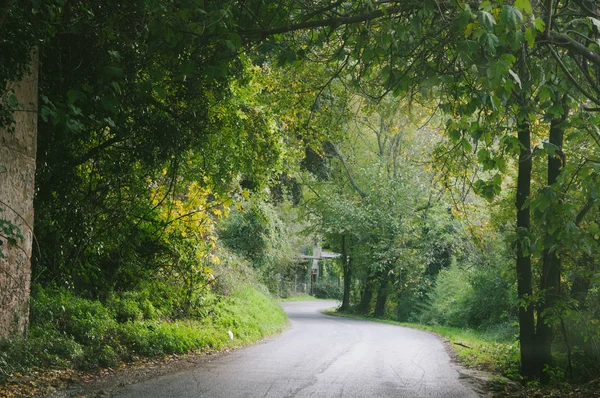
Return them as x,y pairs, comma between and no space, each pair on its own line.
469,30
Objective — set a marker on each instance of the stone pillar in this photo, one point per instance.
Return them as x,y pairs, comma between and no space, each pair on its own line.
316,258
17,182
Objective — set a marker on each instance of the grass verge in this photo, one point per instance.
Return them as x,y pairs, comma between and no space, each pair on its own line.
474,349
77,334
299,297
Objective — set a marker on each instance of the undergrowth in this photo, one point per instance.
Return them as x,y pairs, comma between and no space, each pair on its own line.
73,332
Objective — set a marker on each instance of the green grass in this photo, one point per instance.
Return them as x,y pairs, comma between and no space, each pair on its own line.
474,349
299,297
72,332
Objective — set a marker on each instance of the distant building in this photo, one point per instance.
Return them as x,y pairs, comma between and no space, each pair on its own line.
318,254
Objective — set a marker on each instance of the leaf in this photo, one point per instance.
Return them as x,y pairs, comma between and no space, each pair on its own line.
160,91
486,5
188,67
545,93
530,34
511,15
489,41
595,22
539,24
469,30
516,77
466,145
486,19
525,6
454,135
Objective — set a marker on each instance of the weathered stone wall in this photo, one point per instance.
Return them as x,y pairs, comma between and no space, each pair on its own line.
17,178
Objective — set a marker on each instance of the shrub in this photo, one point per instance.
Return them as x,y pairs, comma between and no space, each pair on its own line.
328,290
477,298
125,309
86,321
72,331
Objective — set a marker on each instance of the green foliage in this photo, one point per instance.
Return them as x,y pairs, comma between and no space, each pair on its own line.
478,298
247,234
450,298
71,331
8,231
327,289
261,237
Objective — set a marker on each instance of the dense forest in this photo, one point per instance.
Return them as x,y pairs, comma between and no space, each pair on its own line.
188,151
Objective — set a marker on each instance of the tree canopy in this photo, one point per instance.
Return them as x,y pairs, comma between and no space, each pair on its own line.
415,136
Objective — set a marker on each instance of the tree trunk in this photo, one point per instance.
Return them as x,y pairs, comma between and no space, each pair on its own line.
550,281
529,364
346,269
367,296
17,180
380,303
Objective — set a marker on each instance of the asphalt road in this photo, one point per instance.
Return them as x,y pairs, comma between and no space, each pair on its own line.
320,356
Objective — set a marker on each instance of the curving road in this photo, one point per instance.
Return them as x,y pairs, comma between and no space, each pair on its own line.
321,356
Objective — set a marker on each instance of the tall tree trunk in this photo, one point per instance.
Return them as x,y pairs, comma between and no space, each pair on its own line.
347,270
17,180
366,297
381,301
550,281
529,363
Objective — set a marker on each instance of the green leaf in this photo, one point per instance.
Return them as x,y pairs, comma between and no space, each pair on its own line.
594,228
454,135
110,103
489,41
595,22
511,144
516,77
486,20
511,15
161,92
545,93
114,55
539,24
556,110
466,145
530,34
525,6
188,67
486,5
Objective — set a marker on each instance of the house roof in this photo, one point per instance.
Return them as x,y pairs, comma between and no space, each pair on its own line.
324,256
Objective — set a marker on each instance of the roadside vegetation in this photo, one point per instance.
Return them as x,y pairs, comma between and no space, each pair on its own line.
188,151
474,349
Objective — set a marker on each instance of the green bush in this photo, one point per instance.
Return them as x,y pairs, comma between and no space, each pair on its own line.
328,290
477,298
448,303
86,321
125,309
72,331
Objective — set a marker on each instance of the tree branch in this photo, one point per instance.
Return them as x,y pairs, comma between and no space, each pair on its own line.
352,182
565,41
263,33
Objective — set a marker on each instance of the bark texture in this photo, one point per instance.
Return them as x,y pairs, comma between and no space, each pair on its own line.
551,266
530,368
17,181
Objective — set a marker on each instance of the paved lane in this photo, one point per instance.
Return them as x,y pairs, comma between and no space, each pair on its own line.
320,356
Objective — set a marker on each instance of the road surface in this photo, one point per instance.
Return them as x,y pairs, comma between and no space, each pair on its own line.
320,356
